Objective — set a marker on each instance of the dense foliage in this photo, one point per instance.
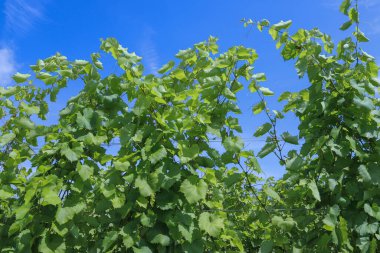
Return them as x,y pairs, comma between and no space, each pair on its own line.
330,192
132,165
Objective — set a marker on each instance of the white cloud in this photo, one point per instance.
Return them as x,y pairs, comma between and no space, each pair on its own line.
7,65
20,15
149,51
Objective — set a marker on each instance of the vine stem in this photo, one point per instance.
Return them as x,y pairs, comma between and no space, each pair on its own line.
357,32
274,136
251,187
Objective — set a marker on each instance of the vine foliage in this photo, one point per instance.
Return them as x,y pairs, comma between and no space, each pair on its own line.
134,165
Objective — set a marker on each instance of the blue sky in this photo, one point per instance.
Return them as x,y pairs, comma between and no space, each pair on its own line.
156,30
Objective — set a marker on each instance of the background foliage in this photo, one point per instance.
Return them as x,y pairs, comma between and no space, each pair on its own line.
168,188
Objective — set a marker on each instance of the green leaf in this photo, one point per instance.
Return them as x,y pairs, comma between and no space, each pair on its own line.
128,241
285,96
50,196
259,107
364,173
233,144
294,163
343,230
161,239
374,171
346,25
158,155
141,105
364,103
353,15
282,25
22,211
6,138
259,77
118,200
314,190
81,62
142,249
6,194
373,211
188,153
273,33
266,247
373,69
211,223
229,94
20,78
85,171
143,186
267,149
194,189
253,86
260,131
179,74
70,154
52,244
26,123
233,179
266,91
30,109
85,119
109,240
168,66
285,225
65,214
148,220
122,166
360,36
271,193
292,139
330,219
344,6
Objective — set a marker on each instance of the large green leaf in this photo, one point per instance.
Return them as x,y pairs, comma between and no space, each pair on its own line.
284,224
109,240
6,138
263,129
233,144
20,78
143,186
266,247
267,149
290,138
259,107
188,153
85,171
158,155
314,190
211,223
194,189
65,214
71,154
161,239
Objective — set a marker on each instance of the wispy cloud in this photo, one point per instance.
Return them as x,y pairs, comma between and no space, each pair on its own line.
21,15
7,65
149,51
369,3
373,26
